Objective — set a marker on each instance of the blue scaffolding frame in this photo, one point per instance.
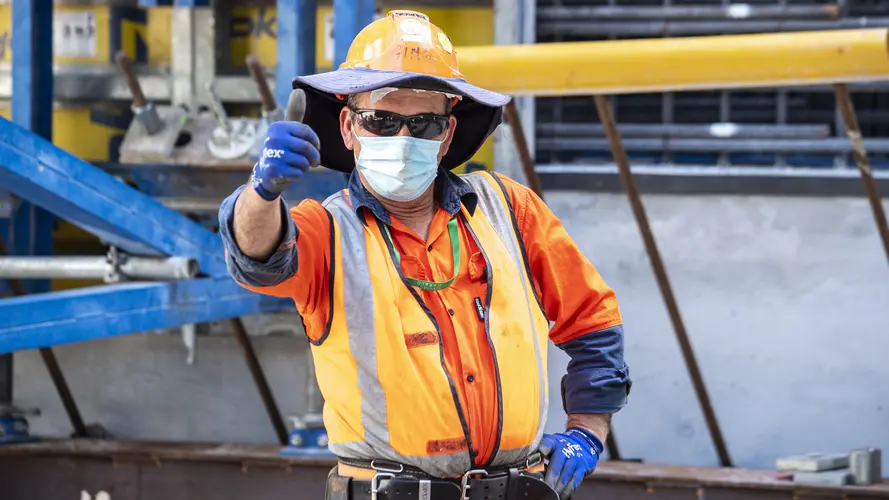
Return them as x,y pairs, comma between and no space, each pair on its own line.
49,182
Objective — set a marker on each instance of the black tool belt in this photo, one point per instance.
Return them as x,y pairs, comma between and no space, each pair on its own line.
398,482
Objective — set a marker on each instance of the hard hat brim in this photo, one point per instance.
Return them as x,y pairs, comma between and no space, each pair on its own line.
478,113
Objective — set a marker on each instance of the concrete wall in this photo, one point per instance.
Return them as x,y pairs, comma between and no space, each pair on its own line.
786,301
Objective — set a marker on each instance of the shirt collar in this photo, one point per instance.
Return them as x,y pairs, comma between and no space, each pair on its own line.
450,190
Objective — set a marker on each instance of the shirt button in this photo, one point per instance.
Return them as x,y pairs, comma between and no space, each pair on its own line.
470,378
429,248
451,312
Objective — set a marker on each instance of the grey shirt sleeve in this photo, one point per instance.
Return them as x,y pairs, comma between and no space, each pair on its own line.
277,268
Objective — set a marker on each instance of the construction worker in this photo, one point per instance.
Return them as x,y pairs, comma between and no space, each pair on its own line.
428,297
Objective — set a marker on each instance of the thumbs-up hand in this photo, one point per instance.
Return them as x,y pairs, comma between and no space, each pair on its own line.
289,150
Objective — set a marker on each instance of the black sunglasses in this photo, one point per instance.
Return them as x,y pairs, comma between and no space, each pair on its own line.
387,123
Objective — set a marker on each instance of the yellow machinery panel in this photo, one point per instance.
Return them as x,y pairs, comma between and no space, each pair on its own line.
90,34
254,31
157,36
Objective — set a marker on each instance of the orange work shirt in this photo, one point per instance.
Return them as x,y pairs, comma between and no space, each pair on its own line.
575,298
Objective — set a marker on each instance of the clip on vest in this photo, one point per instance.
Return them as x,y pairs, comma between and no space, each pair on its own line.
479,309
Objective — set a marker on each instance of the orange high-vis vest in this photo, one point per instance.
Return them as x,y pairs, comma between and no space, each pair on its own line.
386,399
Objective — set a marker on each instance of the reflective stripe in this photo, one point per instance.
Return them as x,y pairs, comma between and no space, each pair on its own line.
359,310
358,298
498,214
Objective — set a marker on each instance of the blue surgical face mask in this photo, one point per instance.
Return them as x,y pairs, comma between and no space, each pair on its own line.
399,168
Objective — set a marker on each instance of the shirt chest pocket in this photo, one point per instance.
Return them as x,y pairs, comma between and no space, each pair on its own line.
478,268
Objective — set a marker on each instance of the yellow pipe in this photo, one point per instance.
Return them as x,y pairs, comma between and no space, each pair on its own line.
676,64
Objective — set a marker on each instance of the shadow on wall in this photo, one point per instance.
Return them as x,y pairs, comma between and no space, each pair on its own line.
784,301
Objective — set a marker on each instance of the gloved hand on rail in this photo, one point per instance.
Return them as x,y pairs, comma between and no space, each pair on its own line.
573,455
289,150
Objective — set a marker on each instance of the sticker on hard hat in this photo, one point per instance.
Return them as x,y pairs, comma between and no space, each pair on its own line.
445,43
415,31
408,13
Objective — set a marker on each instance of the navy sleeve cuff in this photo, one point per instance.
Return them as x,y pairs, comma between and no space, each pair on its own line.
598,380
278,268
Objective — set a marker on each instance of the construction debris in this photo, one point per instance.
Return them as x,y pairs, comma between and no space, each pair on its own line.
859,467
866,466
834,477
813,462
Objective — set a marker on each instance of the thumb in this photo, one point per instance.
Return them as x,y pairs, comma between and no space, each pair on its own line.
547,445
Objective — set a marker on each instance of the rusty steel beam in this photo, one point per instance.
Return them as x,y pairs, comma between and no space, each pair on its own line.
52,366
853,132
262,384
660,271
521,144
257,73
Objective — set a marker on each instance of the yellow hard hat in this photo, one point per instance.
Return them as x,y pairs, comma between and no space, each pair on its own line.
403,49
404,41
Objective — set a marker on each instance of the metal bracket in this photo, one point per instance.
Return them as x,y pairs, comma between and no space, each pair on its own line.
114,274
157,146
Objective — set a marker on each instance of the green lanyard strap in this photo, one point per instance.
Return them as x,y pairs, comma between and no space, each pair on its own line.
433,286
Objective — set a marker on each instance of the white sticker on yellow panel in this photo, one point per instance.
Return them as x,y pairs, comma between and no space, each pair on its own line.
74,34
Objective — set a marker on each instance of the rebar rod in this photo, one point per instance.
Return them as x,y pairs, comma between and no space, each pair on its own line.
853,131
262,384
660,272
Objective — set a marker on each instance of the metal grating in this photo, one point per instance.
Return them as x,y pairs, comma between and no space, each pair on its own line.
773,128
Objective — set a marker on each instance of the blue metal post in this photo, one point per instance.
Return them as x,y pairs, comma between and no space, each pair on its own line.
296,44
32,93
32,65
349,17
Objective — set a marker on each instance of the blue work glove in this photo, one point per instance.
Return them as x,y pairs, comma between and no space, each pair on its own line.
573,455
289,150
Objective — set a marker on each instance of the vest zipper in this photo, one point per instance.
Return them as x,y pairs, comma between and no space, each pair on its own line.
391,247
487,314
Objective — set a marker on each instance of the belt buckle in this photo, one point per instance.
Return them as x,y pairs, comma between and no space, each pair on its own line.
382,472
464,481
